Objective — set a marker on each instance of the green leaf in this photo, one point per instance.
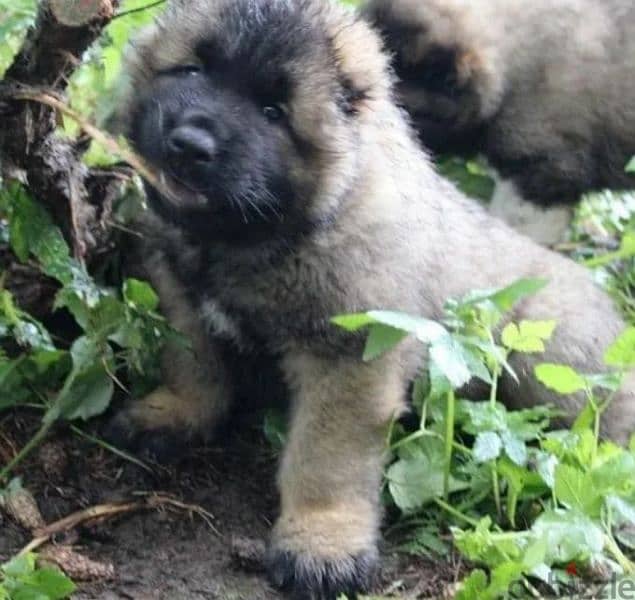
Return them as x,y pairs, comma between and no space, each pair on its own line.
514,448
472,179
630,167
528,336
24,581
503,576
575,489
621,353
447,355
85,353
22,564
560,378
488,547
33,232
353,322
616,475
417,479
488,446
89,395
570,536
478,417
506,298
52,583
140,295
473,587
381,339
424,330
546,464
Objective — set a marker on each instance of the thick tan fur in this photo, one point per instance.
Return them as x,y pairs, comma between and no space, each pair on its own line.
393,235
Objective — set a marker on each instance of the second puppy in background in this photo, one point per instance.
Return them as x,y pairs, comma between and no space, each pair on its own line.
544,89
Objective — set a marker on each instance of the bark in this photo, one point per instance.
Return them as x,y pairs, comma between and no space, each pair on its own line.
79,199
50,165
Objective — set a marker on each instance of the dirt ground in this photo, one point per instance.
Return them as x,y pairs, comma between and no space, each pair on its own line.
169,552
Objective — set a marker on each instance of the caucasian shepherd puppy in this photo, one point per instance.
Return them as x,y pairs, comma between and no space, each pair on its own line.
545,89
298,192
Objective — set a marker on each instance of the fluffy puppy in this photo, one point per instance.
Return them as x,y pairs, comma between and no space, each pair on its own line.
297,192
545,89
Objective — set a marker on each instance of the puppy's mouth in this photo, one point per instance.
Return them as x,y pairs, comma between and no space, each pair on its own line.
179,194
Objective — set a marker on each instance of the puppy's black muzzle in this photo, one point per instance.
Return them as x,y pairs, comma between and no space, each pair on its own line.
191,149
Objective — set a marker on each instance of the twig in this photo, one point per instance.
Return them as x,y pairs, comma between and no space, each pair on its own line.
150,500
44,534
132,11
106,140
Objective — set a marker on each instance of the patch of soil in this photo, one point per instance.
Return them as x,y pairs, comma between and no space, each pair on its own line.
170,553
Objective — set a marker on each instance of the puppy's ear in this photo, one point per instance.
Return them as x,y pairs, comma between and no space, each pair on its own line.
442,69
364,76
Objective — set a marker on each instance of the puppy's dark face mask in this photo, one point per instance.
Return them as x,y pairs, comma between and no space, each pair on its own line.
223,141
253,128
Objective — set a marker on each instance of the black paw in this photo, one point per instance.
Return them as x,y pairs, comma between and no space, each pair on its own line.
308,578
164,446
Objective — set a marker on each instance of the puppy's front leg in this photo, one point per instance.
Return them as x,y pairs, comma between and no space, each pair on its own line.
197,389
325,541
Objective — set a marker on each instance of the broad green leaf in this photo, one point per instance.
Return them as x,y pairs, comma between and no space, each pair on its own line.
85,353
585,419
424,330
88,396
514,448
488,446
140,295
478,417
506,298
51,583
621,353
448,357
575,489
546,464
381,339
570,536
491,548
560,378
21,565
528,336
503,576
630,167
418,479
353,322
469,176
616,475
33,232
473,587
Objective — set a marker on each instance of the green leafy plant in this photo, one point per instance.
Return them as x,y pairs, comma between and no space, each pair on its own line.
519,499
22,579
118,331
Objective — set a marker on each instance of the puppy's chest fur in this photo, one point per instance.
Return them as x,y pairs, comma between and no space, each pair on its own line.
257,299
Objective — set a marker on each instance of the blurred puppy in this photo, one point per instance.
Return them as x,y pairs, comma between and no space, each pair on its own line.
545,89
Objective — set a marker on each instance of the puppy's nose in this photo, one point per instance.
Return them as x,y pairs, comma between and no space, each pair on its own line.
191,144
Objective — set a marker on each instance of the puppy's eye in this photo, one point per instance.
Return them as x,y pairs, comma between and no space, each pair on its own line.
184,70
273,112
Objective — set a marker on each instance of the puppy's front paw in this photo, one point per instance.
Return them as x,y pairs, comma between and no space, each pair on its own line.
321,555
159,426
